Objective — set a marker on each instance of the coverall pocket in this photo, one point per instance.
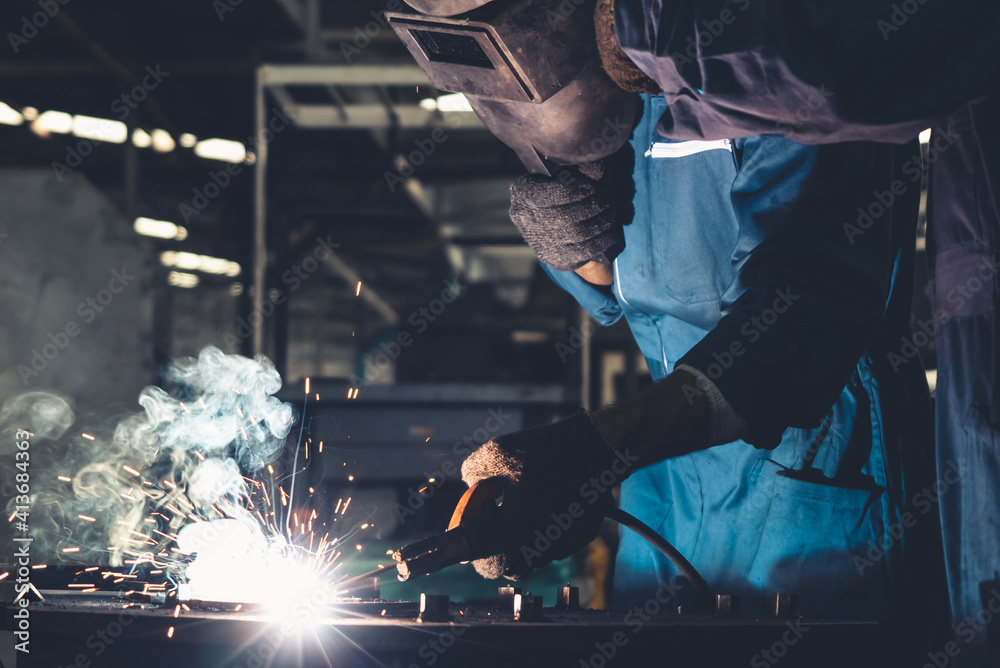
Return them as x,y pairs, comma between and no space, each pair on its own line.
810,545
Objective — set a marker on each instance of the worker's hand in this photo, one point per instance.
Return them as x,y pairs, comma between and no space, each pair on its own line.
557,482
568,219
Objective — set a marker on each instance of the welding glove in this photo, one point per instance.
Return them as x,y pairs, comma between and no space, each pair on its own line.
557,482
568,219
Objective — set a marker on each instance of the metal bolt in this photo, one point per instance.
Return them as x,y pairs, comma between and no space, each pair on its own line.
568,597
784,605
433,608
505,597
527,608
727,605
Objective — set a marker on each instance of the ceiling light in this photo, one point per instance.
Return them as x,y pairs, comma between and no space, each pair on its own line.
221,149
203,263
179,279
52,121
8,116
161,229
162,141
453,102
141,138
100,129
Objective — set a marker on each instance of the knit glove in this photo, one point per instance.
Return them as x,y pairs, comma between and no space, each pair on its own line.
557,482
567,219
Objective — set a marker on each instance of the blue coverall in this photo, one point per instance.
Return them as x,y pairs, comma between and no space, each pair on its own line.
746,260
821,72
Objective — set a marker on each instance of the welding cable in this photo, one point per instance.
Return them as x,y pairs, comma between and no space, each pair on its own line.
668,550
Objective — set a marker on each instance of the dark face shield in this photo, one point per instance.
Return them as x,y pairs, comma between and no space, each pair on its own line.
531,71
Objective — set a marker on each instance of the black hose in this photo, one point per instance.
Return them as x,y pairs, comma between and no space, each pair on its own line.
668,550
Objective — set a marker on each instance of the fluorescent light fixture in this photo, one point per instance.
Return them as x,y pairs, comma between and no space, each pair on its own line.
141,138
188,140
203,263
180,279
161,229
8,116
100,129
453,102
53,121
221,149
162,141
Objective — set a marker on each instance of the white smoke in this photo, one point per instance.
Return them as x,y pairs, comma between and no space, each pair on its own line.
127,489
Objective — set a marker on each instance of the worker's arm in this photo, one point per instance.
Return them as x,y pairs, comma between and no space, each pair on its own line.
811,295
812,70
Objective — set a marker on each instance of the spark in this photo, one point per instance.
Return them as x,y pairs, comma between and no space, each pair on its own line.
132,471
4,575
321,446
307,386
199,455
71,549
177,611
357,291
170,632
12,516
64,478
350,478
88,437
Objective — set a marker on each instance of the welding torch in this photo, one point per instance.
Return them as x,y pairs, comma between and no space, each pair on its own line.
471,528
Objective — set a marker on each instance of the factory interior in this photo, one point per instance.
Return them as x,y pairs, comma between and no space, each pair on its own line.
204,193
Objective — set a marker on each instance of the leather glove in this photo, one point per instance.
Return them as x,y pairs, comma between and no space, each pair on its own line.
567,219
557,482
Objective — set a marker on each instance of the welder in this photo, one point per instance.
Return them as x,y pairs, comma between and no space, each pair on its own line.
819,72
777,446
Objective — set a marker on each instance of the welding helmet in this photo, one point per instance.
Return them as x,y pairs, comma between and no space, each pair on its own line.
531,71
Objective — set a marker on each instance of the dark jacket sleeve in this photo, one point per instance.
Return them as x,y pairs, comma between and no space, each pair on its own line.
813,293
812,70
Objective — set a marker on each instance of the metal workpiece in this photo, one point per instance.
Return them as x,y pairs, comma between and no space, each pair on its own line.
359,633
727,605
784,605
434,608
527,608
568,597
505,598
